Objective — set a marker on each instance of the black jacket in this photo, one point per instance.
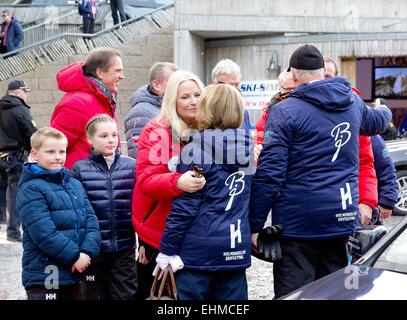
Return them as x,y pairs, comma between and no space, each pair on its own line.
110,192
16,124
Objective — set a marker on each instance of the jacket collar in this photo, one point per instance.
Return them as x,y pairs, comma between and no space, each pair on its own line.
98,158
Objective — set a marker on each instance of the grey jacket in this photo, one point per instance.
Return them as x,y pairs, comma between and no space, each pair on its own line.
144,107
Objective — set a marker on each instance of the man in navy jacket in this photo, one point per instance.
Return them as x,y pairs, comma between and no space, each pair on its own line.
308,171
11,33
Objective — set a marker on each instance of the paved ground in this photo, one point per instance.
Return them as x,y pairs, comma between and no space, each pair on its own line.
260,275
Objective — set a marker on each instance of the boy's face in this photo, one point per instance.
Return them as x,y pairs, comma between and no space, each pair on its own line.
52,154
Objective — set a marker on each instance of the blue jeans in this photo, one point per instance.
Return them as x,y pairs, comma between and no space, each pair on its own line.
10,171
211,285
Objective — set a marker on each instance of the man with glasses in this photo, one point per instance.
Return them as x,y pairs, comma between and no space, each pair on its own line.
16,128
286,85
228,71
11,33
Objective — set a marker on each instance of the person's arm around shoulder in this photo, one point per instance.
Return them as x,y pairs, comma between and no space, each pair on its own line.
154,178
374,120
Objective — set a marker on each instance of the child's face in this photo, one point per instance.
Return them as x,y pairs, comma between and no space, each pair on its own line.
52,154
105,139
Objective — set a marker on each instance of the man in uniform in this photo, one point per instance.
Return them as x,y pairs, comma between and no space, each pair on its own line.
16,128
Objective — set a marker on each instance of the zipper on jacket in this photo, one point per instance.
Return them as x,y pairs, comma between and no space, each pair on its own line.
73,209
112,211
153,206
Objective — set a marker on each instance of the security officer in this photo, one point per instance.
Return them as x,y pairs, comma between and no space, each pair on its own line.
16,128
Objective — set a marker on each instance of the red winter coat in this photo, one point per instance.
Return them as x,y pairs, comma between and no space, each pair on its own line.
155,183
367,173
82,101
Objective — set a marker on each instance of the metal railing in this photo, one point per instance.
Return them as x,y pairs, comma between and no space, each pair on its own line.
68,44
52,26
31,14
59,23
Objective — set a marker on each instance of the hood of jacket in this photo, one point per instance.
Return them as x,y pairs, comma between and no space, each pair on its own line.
32,171
71,78
143,95
232,148
334,94
8,102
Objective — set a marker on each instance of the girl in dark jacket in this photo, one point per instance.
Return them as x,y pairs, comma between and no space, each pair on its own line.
108,179
207,231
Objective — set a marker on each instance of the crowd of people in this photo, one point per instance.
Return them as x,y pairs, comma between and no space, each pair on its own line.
197,187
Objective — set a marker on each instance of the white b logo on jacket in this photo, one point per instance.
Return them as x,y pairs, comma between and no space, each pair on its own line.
236,186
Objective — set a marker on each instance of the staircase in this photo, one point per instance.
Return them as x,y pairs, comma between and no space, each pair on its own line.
67,44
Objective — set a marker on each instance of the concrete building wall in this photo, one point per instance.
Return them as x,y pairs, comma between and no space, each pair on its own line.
255,27
138,56
292,15
189,52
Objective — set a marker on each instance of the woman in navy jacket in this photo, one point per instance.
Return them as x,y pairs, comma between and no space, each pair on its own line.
108,179
208,231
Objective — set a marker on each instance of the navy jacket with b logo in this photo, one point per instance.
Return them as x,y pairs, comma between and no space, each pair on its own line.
308,168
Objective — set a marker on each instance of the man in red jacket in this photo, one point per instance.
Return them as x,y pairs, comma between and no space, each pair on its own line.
367,175
91,88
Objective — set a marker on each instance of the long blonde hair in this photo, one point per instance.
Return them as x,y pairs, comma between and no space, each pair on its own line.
169,116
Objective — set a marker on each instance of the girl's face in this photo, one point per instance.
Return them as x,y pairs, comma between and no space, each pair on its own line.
105,139
187,98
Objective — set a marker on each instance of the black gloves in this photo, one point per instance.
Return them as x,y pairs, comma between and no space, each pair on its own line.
268,244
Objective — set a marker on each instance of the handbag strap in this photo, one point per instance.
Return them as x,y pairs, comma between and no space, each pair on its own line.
163,282
171,286
154,285
167,282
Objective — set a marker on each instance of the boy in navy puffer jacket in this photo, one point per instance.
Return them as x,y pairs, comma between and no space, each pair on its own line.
61,232
109,181
208,231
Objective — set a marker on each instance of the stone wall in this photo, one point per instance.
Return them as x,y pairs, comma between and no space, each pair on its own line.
138,55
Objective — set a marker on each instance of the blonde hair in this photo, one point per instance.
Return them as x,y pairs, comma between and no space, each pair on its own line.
91,125
38,138
169,116
219,107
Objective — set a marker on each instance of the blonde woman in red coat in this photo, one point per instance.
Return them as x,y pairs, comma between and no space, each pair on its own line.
157,182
